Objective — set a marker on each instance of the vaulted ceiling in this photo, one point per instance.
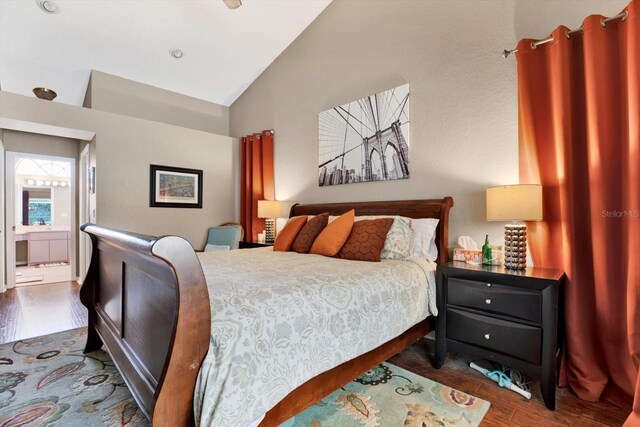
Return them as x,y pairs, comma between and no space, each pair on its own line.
224,50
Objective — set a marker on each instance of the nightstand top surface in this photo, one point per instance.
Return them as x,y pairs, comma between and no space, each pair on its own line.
532,272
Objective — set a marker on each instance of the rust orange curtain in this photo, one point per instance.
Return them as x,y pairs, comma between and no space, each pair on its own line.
579,136
256,180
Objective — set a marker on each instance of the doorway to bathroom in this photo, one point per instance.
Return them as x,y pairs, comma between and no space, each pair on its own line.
41,210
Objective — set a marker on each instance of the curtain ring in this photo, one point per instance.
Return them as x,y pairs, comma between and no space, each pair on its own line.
534,45
603,21
567,34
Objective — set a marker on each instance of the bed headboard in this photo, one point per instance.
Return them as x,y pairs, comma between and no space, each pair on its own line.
428,208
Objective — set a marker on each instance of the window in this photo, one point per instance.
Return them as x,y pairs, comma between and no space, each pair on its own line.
39,211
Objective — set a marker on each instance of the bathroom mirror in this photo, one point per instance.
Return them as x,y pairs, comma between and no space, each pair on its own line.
36,206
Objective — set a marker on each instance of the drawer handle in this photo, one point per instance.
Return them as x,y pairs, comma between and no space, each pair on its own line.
488,301
487,336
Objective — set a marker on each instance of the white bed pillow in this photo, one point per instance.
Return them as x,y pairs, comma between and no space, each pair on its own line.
424,238
214,248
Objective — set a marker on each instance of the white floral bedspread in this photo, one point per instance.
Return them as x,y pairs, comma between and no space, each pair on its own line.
279,319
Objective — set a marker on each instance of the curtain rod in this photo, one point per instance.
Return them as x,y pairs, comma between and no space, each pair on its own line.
621,16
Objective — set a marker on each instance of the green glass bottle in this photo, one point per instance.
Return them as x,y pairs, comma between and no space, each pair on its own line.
486,252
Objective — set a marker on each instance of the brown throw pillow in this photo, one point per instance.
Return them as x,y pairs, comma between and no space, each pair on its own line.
366,240
305,238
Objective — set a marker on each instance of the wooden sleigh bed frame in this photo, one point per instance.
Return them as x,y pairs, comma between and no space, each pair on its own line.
148,305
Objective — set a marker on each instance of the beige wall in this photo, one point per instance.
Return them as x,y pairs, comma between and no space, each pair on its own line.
33,143
463,106
118,95
463,94
124,147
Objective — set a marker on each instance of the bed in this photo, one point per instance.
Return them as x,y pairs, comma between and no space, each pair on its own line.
150,306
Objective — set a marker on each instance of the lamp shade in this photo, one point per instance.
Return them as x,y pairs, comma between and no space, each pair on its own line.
522,202
269,209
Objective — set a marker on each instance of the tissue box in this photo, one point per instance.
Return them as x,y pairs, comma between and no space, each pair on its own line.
460,254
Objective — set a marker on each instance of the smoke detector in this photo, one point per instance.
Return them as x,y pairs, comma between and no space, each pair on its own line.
47,6
45,93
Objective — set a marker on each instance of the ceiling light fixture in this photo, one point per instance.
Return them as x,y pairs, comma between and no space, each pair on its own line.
47,6
233,4
45,93
176,53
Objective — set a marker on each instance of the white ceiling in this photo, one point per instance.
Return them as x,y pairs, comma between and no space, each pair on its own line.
224,50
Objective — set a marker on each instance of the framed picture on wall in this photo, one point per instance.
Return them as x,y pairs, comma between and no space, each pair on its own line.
365,140
172,187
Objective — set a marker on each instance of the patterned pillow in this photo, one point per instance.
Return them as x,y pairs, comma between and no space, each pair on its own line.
305,238
366,240
399,239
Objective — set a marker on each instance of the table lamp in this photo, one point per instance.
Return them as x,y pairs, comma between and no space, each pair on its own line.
270,210
515,203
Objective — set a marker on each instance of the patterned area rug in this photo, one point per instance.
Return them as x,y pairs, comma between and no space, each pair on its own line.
389,396
47,381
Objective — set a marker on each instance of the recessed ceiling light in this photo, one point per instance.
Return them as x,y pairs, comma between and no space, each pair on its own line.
176,53
47,6
45,93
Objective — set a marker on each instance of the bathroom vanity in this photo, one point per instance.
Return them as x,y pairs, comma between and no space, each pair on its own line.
45,244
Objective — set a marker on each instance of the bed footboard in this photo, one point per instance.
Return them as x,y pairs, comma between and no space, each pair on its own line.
148,304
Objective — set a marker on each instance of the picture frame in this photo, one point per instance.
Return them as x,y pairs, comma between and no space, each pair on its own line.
366,140
174,187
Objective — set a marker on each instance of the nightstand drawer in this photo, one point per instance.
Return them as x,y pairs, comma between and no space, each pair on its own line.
513,339
507,300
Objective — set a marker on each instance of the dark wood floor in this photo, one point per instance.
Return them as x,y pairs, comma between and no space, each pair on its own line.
31,311
507,407
37,310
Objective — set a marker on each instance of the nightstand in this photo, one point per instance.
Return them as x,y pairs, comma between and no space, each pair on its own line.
509,317
249,245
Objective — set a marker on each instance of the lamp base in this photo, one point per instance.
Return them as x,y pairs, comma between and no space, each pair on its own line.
515,246
269,230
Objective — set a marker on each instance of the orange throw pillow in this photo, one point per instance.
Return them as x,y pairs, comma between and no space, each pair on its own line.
309,232
366,240
285,238
331,239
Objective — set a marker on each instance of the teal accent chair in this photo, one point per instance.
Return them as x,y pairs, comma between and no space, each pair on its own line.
225,235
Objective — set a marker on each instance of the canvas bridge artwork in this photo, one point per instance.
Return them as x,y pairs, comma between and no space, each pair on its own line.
365,140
